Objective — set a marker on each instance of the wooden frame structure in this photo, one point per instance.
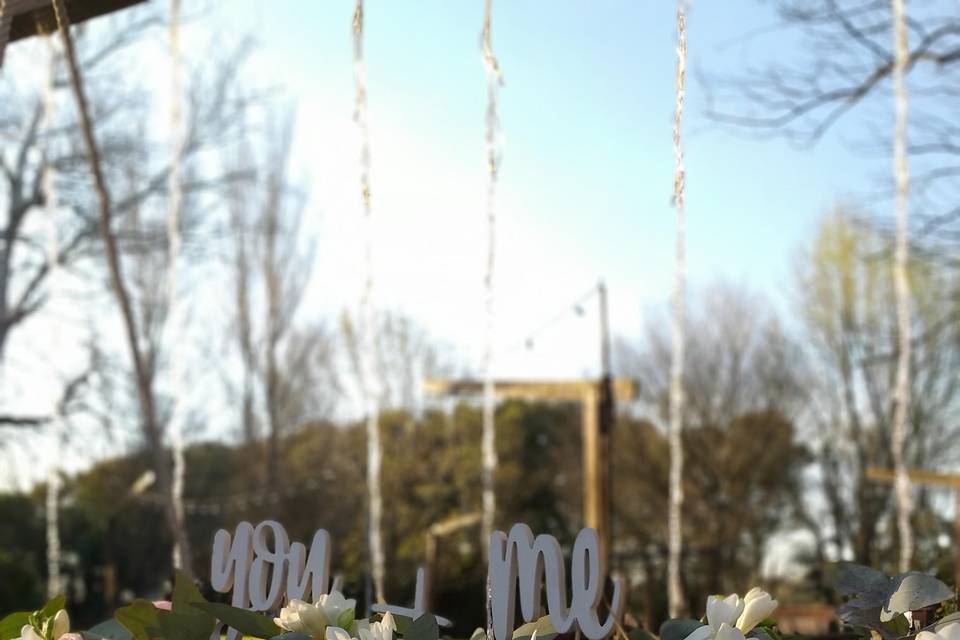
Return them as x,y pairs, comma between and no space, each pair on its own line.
597,476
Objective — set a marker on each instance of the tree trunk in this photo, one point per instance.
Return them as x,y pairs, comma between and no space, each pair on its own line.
151,426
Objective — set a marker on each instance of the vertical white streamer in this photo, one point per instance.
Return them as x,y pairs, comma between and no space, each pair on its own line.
902,287
675,515
175,206
369,376
488,443
49,185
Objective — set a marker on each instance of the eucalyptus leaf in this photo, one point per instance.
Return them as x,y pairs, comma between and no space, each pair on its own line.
640,634
403,623
11,625
679,628
852,579
543,627
423,628
184,621
138,618
759,633
112,630
913,590
292,635
478,634
249,623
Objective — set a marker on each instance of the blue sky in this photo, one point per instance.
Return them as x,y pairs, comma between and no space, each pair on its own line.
587,162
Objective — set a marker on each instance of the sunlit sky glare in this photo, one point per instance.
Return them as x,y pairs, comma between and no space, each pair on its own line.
587,174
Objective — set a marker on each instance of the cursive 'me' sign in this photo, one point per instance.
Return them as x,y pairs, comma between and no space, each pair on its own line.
522,560
264,569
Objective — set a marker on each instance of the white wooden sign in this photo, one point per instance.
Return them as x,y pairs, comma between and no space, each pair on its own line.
522,560
264,569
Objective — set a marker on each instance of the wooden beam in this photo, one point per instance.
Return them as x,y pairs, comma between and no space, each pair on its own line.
624,389
27,18
918,476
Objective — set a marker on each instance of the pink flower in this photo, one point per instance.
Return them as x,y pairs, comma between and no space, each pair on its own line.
71,636
166,605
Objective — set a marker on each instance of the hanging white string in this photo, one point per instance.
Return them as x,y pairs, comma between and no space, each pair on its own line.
488,443
49,185
902,287
674,517
369,376
174,238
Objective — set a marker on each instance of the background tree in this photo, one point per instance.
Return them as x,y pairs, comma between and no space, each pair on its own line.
845,302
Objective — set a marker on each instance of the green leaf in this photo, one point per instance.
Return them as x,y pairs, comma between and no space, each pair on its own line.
52,606
137,618
183,621
543,627
423,628
852,578
113,629
759,633
403,624
249,623
640,634
679,628
913,590
345,619
11,625
292,635
478,634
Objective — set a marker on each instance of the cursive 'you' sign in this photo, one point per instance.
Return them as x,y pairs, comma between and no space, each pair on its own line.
263,568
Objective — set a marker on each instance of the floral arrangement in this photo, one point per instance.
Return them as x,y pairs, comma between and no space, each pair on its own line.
882,607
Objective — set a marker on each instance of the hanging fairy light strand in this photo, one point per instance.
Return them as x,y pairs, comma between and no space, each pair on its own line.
49,186
902,485
175,206
489,450
368,372
674,517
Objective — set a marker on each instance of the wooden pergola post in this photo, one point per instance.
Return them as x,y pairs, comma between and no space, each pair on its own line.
596,399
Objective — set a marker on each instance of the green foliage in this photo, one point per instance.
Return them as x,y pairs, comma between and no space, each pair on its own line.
543,627
110,630
878,602
423,628
184,621
11,625
249,623
679,628
139,618
640,634
345,620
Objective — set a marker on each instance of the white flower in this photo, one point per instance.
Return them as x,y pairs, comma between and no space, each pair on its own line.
60,627
382,630
302,617
333,604
731,618
758,605
947,632
317,620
